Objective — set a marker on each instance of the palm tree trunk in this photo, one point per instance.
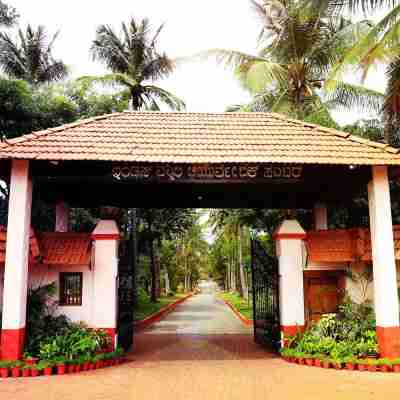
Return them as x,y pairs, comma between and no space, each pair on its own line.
153,272
243,283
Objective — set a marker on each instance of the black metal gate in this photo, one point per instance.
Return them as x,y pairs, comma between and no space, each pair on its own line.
125,294
265,279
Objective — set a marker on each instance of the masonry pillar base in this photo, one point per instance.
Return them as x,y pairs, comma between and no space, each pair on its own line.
12,344
389,341
290,331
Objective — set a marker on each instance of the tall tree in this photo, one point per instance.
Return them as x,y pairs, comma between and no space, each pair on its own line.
30,57
135,63
380,46
8,14
300,43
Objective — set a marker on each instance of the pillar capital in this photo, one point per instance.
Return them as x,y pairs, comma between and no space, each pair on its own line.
106,230
289,229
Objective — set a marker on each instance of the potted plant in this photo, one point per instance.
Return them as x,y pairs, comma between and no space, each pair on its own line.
385,365
34,370
372,364
4,369
396,365
30,359
350,363
85,362
26,370
309,359
337,363
46,366
326,363
16,369
71,366
61,367
362,365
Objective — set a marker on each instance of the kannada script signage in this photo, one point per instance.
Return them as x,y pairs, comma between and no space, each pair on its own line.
207,172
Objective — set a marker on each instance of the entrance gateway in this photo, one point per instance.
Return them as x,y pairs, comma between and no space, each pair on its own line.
155,159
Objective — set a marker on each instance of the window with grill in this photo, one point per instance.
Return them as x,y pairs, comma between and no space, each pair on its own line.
70,288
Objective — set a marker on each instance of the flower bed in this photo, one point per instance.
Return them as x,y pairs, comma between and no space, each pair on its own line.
24,369
371,365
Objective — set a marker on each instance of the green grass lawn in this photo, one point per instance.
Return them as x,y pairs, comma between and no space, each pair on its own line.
146,308
242,305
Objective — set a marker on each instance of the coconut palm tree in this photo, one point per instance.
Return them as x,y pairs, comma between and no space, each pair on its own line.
30,57
135,63
380,45
300,42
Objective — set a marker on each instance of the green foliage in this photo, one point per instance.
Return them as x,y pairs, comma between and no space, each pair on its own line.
350,333
245,307
74,342
8,14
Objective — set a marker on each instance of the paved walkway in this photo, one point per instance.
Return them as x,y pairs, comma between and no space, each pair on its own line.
183,358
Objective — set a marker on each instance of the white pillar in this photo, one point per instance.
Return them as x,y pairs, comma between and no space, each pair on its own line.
16,264
384,268
320,217
62,217
290,251
104,314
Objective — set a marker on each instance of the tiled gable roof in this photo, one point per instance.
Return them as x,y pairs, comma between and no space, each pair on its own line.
176,137
54,248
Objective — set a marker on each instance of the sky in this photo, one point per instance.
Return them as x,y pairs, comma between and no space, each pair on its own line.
191,26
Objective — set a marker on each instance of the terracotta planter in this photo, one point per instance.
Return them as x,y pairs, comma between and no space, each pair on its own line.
396,368
26,372
338,365
326,364
4,372
48,371
362,367
350,366
15,372
372,368
34,373
31,361
386,368
310,362
71,368
318,363
301,361
78,368
91,366
86,366
61,369
99,364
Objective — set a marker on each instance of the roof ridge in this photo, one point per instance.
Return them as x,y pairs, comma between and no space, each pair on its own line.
44,132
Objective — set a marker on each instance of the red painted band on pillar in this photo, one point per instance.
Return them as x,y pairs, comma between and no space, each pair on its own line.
106,236
388,341
12,343
297,236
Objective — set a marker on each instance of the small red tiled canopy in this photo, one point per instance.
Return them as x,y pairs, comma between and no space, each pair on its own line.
54,248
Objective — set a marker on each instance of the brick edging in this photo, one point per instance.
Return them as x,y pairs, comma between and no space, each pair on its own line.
243,319
152,319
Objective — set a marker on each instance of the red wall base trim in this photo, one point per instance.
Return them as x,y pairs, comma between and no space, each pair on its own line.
12,343
389,341
291,330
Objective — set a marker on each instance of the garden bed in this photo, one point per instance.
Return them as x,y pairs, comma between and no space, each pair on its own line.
370,365
32,368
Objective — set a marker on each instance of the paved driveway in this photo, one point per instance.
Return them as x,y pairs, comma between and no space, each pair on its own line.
212,357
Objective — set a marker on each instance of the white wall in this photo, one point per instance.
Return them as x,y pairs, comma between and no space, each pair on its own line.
43,274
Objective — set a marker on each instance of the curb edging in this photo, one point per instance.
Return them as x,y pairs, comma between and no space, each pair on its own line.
243,319
152,319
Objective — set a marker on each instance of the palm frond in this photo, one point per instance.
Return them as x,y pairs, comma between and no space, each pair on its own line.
350,96
169,99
